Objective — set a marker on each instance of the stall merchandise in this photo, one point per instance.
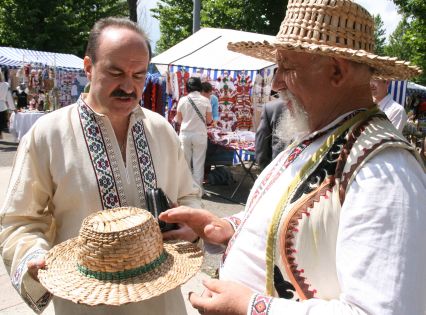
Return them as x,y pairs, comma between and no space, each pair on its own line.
240,82
155,94
57,77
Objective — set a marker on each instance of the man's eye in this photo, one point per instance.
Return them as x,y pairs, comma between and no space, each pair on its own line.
115,74
139,76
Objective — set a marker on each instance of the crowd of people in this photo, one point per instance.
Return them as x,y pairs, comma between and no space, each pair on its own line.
334,224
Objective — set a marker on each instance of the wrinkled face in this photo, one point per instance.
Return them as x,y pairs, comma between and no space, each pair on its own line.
379,89
301,74
118,76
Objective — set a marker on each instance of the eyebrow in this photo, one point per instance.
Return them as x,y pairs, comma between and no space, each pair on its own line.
115,68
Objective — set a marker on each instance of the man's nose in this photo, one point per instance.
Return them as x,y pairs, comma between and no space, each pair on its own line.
127,85
278,82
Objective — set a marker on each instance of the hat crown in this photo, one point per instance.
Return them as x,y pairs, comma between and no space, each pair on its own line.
338,23
118,240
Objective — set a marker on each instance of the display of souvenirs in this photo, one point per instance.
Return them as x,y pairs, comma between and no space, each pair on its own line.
226,92
243,108
234,89
154,95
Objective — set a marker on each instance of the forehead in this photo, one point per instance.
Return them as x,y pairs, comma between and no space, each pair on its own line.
296,57
122,44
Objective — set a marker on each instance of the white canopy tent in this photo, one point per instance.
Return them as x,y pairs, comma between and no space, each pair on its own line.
16,57
206,50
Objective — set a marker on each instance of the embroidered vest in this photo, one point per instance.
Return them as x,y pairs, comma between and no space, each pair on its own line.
301,246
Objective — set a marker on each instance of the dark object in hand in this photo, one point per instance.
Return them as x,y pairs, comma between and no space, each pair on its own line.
157,202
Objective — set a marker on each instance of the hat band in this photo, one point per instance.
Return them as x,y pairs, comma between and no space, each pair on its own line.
125,274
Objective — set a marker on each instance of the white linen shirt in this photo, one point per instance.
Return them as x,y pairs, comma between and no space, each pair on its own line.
53,187
191,122
380,254
394,111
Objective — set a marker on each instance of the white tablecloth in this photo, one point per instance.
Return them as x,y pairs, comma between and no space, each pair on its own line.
21,122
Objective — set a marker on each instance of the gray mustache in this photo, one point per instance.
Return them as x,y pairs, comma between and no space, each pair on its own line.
121,93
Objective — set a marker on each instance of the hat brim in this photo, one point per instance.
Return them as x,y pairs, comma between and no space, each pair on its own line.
62,278
385,67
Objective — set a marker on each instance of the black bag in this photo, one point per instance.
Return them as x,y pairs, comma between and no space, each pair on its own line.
157,202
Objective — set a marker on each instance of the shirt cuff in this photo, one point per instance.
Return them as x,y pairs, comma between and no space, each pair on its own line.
259,304
33,293
234,221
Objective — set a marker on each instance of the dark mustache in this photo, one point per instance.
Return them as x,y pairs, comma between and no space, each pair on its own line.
121,93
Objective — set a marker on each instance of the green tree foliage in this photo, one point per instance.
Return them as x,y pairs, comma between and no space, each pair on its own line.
379,36
257,16
408,42
53,25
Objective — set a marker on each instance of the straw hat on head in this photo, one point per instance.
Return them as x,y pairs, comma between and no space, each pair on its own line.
119,257
337,28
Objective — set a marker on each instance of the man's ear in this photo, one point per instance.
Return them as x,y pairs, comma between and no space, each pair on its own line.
88,67
340,71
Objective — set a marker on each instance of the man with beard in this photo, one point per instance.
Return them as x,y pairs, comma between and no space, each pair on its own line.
335,224
102,152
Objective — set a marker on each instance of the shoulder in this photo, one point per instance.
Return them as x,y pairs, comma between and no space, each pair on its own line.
154,120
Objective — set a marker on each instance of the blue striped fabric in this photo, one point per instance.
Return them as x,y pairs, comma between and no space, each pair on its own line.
398,90
17,57
213,73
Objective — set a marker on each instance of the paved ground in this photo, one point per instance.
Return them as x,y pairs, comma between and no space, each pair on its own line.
217,200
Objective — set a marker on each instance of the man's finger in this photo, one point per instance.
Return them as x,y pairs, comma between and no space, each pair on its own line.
214,285
176,215
198,302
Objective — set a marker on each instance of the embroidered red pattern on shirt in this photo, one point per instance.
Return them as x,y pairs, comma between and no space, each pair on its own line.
261,305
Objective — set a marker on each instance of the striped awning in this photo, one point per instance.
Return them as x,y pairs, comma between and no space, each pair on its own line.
17,57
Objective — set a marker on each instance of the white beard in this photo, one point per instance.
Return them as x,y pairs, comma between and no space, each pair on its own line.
293,122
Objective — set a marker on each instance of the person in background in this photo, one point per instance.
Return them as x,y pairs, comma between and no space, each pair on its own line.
207,91
100,153
194,113
268,145
335,225
21,94
394,111
6,104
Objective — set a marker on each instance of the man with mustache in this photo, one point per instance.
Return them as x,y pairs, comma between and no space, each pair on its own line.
102,152
335,223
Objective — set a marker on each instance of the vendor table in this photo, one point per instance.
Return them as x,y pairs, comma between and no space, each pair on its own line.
21,122
242,144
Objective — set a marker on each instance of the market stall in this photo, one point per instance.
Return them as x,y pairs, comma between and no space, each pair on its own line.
60,77
241,83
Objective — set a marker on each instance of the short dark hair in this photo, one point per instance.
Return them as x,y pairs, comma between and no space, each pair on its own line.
194,84
96,31
207,87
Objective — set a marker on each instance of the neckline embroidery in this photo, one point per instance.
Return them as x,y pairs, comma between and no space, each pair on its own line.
105,160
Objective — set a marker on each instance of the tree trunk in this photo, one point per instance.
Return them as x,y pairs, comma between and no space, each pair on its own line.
133,10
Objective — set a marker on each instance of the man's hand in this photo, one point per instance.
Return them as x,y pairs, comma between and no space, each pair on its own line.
206,225
222,297
33,267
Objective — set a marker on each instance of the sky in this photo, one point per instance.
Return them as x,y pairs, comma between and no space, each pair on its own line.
386,9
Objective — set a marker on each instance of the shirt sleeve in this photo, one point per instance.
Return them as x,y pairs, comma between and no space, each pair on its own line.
27,227
9,100
380,254
215,107
399,118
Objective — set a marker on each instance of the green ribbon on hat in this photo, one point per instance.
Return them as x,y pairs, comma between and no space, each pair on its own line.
125,274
